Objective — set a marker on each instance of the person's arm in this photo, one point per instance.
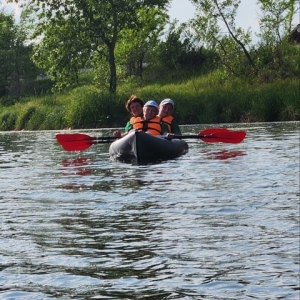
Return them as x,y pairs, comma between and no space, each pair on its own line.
128,127
164,128
118,133
175,127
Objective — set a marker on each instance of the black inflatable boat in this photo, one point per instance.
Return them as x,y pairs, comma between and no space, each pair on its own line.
140,147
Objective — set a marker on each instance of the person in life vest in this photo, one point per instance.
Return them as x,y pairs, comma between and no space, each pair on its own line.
150,122
166,108
134,106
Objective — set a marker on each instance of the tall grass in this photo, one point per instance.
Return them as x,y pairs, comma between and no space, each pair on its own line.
33,114
210,99
203,99
89,107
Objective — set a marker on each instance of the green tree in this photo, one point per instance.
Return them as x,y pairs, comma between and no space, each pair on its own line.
7,35
136,43
276,22
172,51
15,56
73,31
276,57
233,47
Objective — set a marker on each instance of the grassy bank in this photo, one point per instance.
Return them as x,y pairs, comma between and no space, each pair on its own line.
200,99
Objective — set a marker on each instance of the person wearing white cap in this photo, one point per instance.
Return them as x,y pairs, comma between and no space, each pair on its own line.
150,122
166,108
150,110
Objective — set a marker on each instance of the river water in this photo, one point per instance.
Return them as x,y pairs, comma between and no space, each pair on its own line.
220,222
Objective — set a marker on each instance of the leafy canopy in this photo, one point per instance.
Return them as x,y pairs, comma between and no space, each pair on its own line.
72,32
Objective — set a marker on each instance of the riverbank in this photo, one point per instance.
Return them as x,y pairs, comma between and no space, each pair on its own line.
202,100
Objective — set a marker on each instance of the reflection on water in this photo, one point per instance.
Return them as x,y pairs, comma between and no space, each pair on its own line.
78,166
221,222
224,154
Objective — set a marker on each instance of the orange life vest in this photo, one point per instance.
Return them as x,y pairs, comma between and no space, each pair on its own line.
152,126
134,120
168,120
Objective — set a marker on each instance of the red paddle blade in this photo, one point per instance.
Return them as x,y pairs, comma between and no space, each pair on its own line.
212,130
75,141
222,136
73,137
81,141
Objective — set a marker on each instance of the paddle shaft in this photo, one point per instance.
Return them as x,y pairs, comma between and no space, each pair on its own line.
82,141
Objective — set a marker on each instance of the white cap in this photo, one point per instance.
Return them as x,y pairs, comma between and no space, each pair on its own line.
166,101
151,103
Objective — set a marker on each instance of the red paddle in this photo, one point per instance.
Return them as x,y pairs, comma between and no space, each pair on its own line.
82,141
218,135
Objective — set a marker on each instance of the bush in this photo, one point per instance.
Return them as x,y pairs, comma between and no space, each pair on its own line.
90,108
25,115
8,120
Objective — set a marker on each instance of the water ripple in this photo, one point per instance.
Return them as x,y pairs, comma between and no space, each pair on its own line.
221,222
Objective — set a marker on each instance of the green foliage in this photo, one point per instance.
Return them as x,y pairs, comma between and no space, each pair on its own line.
8,101
100,71
167,52
211,99
277,101
46,118
276,21
26,113
236,55
8,119
136,43
206,99
7,37
279,63
61,53
213,77
33,114
232,49
71,34
16,65
91,108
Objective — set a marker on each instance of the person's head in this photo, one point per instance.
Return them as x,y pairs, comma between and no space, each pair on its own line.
135,106
150,110
166,108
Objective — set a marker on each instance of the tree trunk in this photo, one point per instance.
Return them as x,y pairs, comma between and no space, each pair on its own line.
247,54
112,67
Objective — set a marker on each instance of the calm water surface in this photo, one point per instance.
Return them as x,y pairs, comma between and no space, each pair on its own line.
221,222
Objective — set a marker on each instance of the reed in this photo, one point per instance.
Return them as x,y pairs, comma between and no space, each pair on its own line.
210,98
8,118
89,107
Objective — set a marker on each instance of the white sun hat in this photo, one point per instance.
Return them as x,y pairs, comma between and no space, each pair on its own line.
151,103
166,101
